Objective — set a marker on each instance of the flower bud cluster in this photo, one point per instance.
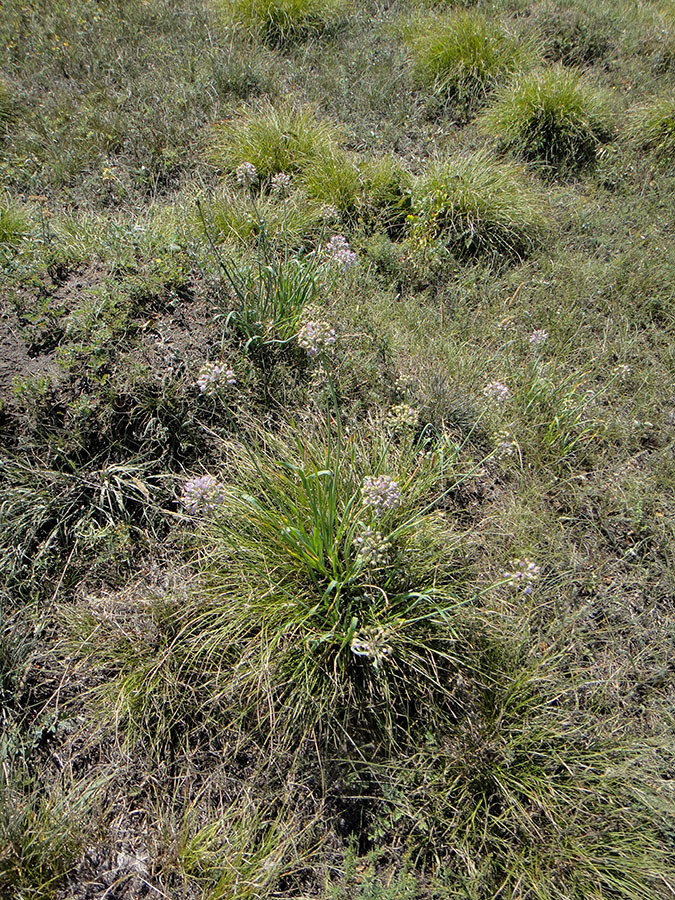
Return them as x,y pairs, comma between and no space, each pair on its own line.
496,391
372,547
314,337
402,417
281,184
381,492
524,574
373,642
339,252
202,495
246,174
212,376
538,337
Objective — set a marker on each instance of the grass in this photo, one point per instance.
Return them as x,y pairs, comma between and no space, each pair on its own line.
274,139
281,21
463,56
654,131
336,509
550,117
477,206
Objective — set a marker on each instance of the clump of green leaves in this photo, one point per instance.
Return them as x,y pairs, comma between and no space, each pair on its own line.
476,205
463,56
272,138
551,117
280,21
653,129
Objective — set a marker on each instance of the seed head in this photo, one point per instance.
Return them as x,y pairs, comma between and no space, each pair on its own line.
373,642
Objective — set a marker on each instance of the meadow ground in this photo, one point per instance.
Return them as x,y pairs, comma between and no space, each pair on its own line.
337,463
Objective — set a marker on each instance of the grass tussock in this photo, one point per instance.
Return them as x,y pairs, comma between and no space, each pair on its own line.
477,206
551,117
653,129
281,21
272,138
336,595
463,56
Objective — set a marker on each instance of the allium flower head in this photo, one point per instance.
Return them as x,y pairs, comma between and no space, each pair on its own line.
524,574
246,174
372,547
381,492
202,495
373,642
403,417
538,337
331,213
281,184
214,375
338,252
314,337
496,391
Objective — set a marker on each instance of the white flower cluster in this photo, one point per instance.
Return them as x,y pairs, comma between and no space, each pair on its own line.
506,446
314,337
202,494
381,492
402,417
212,376
524,573
246,174
372,547
538,337
281,184
496,391
339,252
373,642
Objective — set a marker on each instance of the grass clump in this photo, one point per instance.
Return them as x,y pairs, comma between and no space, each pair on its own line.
329,585
281,21
550,117
464,56
7,105
476,206
273,139
653,129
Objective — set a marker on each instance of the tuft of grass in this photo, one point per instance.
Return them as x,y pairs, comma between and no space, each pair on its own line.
551,117
333,178
273,138
13,223
281,21
476,205
296,630
294,222
653,129
7,104
464,55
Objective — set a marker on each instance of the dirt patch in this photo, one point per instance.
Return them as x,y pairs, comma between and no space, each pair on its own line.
16,360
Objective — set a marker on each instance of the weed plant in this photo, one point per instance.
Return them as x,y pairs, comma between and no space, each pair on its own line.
551,117
463,56
476,206
281,21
